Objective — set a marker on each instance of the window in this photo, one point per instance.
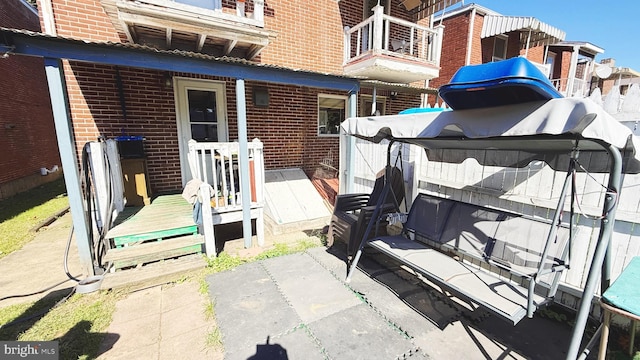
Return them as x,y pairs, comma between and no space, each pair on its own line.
366,101
551,60
499,48
331,112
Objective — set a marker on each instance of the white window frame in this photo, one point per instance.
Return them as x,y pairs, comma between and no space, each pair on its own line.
181,86
320,120
506,45
551,62
381,105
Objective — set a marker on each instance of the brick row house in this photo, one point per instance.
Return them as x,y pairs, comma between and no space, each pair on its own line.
297,124
474,34
170,71
26,122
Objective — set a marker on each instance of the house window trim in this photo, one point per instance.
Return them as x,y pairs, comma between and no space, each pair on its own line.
506,45
380,101
331,96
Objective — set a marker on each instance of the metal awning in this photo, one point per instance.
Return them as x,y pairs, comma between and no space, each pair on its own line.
530,27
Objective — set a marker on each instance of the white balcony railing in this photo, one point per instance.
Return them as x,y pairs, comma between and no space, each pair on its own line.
571,87
213,8
382,34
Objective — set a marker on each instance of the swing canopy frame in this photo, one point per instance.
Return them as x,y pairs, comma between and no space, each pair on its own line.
556,131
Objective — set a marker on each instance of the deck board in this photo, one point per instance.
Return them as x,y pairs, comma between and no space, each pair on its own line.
165,213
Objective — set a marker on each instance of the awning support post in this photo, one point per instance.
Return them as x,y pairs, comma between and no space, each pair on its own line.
68,158
243,159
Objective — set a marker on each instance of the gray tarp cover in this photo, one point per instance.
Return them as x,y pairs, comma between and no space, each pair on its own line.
510,136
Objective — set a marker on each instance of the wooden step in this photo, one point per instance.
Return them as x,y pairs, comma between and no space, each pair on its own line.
154,274
120,241
140,254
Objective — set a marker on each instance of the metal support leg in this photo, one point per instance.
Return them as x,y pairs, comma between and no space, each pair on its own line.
604,337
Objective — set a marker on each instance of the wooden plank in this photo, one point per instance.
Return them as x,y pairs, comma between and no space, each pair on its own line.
142,250
146,256
154,274
155,235
164,213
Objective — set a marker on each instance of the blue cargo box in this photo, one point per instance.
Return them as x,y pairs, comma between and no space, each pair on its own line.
506,82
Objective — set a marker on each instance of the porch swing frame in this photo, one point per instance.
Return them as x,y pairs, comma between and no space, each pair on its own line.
567,143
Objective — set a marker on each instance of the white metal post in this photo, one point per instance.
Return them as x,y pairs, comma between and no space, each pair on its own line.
243,158
378,12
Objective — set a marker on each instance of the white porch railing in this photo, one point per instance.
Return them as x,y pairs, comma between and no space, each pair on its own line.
217,165
575,88
383,34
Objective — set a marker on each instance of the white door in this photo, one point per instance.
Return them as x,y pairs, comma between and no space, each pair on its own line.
201,111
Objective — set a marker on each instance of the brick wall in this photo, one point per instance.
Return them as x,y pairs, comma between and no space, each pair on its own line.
454,45
26,121
82,19
310,36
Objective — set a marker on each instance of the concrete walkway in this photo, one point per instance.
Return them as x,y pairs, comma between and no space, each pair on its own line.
162,322
37,269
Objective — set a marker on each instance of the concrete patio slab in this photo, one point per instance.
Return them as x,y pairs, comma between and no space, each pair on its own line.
309,288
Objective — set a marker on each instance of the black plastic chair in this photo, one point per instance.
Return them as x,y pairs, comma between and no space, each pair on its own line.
353,212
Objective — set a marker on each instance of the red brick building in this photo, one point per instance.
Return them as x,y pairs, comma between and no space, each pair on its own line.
474,35
297,124
26,121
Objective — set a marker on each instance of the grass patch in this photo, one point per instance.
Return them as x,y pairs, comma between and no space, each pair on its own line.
78,323
21,213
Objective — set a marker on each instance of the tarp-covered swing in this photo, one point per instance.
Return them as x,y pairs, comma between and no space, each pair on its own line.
567,134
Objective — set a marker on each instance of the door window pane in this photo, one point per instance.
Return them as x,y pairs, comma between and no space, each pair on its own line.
202,115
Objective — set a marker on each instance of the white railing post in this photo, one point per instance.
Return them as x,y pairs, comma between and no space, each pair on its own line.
258,10
438,44
378,27
412,32
347,45
258,164
207,221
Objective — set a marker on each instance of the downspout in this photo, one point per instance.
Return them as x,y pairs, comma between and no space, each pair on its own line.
48,20
467,61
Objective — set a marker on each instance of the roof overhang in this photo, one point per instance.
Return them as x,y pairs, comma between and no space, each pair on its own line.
584,48
23,42
625,72
427,7
404,88
529,27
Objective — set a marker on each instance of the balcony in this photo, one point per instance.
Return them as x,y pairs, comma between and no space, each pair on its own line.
392,50
193,25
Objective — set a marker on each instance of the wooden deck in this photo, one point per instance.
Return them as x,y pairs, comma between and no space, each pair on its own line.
166,216
154,233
